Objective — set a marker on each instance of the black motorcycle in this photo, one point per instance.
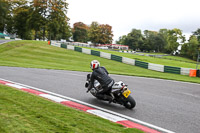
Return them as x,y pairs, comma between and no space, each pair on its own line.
120,93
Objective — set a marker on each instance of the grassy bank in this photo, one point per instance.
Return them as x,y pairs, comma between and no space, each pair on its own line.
25,113
166,60
36,54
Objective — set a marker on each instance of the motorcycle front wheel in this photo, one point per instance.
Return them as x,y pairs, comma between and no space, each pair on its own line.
130,103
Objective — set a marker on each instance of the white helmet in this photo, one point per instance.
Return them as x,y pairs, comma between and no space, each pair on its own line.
94,64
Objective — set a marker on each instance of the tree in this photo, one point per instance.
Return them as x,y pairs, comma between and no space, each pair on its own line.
57,20
100,34
149,41
190,49
174,39
94,33
80,32
153,41
105,34
197,34
4,10
20,16
134,39
121,40
38,18
163,34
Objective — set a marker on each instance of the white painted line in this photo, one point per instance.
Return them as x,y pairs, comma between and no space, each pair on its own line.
105,115
53,98
96,107
14,85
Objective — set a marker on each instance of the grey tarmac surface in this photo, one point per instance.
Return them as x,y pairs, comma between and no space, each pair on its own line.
4,41
168,104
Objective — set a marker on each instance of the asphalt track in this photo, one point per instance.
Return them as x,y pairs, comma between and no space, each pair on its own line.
4,41
168,104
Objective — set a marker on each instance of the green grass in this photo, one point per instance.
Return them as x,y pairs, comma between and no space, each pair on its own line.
35,54
152,53
166,60
26,113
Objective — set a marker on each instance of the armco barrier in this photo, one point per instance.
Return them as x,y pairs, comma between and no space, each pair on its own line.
169,69
156,67
128,61
55,44
70,47
116,58
63,45
96,53
185,71
150,66
86,51
78,49
141,64
105,55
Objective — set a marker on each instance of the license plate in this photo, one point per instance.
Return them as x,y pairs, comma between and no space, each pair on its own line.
126,93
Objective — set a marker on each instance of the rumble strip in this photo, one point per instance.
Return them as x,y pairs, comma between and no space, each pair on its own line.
84,107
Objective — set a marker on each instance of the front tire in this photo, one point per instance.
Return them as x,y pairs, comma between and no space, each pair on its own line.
130,103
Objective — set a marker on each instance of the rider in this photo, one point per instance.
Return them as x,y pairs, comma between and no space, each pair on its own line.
101,75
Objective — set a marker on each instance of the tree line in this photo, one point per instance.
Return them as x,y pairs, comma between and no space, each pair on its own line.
36,19
165,41
95,33
47,19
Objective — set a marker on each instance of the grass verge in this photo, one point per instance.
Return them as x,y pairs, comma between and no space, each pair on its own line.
166,60
35,54
21,113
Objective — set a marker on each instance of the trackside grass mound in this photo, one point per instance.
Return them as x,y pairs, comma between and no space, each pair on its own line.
37,54
174,61
21,112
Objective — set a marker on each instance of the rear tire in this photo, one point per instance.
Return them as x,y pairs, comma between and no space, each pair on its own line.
130,103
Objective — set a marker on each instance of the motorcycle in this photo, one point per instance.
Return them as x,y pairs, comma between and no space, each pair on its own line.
119,92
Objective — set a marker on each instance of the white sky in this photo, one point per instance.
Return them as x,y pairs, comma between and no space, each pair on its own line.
124,15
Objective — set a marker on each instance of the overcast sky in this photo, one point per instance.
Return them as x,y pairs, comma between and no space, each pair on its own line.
124,15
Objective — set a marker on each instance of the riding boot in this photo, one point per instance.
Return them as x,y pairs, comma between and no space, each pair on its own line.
109,98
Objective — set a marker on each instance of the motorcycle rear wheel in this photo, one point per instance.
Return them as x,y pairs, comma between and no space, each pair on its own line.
130,103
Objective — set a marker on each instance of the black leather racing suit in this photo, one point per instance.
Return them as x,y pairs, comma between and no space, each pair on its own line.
101,75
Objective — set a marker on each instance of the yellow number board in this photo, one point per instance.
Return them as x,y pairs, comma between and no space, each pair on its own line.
126,93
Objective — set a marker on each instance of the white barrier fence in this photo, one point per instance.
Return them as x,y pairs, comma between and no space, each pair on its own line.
151,66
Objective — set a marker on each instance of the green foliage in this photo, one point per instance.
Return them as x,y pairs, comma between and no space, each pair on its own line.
134,39
190,49
94,33
197,33
58,25
162,41
21,15
121,40
80,32
4,6
40,19
174,39
152,41
106,34
100,34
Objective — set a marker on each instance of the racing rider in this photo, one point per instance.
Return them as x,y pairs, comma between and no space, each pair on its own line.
101,75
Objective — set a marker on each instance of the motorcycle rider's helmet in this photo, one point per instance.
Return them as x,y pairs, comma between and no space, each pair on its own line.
94,64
